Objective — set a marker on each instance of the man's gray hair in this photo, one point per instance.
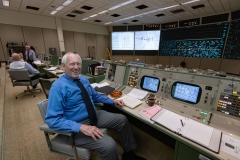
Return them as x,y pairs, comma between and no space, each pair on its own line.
64,58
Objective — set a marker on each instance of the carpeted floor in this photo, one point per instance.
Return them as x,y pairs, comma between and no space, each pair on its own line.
23,140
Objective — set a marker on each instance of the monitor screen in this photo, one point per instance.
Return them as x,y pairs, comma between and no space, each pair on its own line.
186,92
52,51
122,40
147,40
150,84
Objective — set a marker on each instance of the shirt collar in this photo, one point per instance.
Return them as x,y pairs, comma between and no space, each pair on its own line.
69,78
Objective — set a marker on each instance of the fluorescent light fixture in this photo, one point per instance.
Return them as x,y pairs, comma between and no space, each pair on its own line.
93,15
114,7
169,7
53,12
85,18
103,12
67,2
108,23
121,4
190,2
59,8
128,2
5,3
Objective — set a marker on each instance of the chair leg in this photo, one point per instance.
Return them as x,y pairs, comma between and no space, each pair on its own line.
29,91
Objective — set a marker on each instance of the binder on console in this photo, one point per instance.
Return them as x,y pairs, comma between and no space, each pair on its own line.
197,132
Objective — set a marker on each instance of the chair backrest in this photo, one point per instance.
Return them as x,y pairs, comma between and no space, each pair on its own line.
42,106
46,85
19,74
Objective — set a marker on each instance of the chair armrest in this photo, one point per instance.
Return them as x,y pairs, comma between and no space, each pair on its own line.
44,127
99,104
33,76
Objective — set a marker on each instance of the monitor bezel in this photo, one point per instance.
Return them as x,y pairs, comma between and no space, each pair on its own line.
142,81
190,84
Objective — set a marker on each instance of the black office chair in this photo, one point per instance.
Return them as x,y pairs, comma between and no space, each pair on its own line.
21,77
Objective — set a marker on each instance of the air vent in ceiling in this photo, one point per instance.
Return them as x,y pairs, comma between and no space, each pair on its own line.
32,8
97,20
142,6
160,15
71,15
135,20
177,11
198,6
77,12
87,7
115,15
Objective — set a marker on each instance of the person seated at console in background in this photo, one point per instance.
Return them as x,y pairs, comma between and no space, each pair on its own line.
21,57
18,64
71,109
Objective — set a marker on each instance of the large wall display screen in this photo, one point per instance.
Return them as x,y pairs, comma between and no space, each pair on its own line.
122,40
147,40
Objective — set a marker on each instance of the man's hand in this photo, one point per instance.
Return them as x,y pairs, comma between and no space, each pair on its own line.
91,131
119,103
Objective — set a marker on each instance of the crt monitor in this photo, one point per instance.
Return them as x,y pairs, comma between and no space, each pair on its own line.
150,84
186,92
52,51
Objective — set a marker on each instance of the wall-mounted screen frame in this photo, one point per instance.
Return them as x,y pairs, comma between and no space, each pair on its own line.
122,41
186,92
147,40
150,84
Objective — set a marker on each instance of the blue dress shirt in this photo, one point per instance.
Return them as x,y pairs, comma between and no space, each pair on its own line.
66,107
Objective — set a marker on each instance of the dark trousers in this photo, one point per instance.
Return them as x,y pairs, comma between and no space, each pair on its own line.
106,146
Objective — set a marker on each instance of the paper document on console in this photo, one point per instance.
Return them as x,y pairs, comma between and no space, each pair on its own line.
137,93
149,112
52,68
37,62
130,101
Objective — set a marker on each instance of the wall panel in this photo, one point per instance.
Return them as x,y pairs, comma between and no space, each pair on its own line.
34,37
51,40
69,41
164,60
230,66
175,61
101,47
211,63
80,44
10,33
192,62
151,60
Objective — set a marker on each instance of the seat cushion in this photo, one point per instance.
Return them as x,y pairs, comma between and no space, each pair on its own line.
62,144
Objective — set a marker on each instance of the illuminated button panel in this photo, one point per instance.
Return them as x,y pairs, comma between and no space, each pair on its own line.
229,104
133,78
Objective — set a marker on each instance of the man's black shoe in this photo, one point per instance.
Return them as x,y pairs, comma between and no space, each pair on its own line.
131,156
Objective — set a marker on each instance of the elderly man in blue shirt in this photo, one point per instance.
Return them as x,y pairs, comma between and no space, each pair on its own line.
67,111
